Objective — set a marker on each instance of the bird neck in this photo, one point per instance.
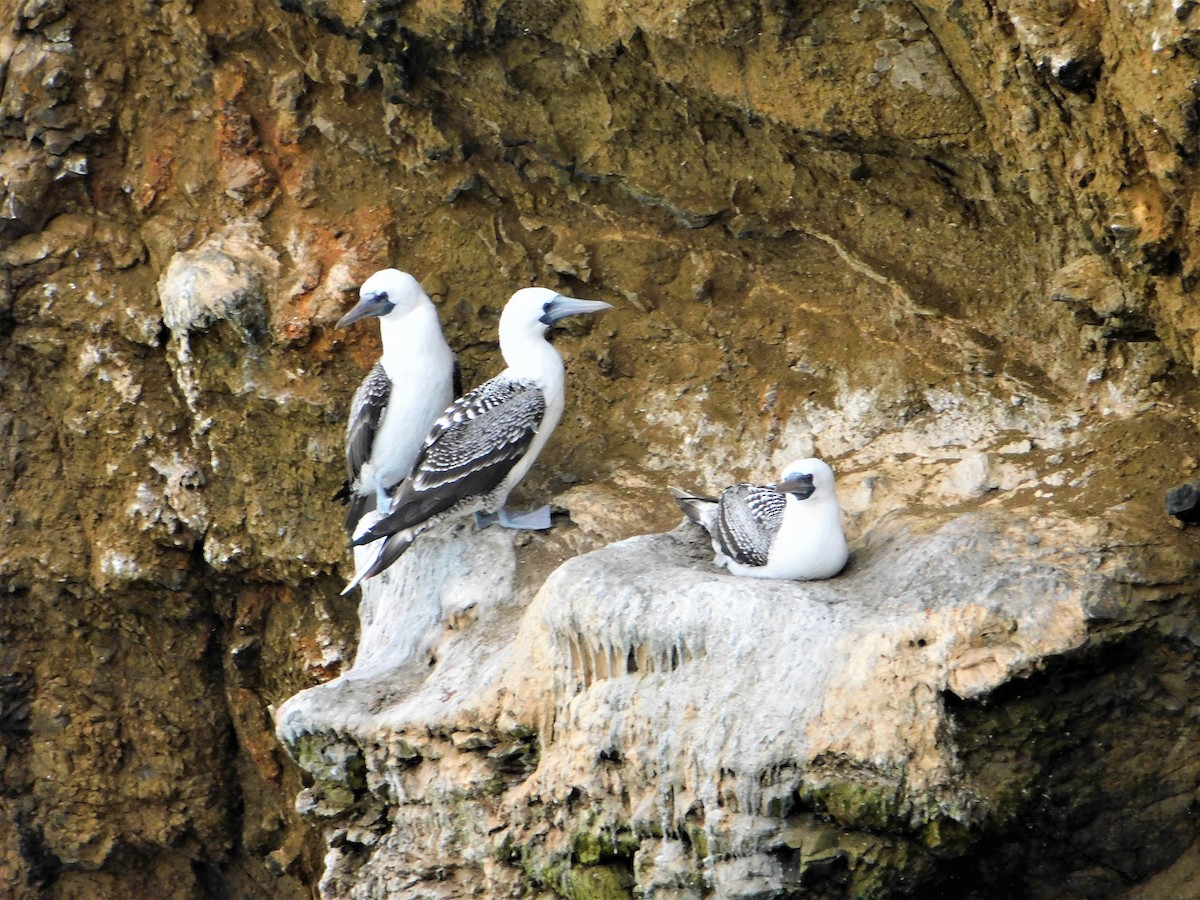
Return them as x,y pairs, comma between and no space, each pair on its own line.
415,335
533,358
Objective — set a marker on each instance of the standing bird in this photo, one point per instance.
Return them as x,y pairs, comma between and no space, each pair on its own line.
790,530
483,444
402,395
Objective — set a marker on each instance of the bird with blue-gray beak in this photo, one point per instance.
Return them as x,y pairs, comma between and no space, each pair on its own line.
401,397
486,441
790,530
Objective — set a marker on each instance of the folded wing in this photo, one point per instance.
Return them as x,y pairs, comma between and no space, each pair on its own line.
748,518
468,453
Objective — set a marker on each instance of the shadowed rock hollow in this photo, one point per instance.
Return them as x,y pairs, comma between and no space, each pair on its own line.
947,248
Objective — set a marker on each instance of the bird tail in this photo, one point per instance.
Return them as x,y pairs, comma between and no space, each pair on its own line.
393,548
405,513
698,509
358,507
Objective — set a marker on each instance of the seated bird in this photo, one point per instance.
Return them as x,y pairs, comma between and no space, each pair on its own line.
485,442
401,397
790,530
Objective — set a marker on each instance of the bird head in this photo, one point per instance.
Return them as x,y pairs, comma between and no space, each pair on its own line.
530,311
386,292
806,477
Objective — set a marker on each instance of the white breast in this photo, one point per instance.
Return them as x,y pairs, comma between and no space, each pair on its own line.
810,544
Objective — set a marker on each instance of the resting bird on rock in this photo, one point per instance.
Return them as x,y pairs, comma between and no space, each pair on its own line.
485,442
790,530
401,397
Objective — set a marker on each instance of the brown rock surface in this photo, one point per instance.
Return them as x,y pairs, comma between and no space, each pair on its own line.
949,248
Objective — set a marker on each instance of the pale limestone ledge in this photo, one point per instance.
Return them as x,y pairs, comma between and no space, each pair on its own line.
643,692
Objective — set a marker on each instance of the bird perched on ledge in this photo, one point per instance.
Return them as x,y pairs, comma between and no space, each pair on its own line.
401,397
789,530
483,444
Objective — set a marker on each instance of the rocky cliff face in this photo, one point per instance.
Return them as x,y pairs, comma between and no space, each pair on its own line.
950,249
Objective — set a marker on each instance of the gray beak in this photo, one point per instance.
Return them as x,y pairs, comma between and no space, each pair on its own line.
800,487
561,307
375,305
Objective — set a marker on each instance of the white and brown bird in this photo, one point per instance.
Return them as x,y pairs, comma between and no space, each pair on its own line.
401,397
789,530
483,444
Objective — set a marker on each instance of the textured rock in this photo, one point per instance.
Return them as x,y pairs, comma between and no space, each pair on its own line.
1183,502
223,279
945,247
706,730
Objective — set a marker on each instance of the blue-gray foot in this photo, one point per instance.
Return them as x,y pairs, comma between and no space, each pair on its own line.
529,520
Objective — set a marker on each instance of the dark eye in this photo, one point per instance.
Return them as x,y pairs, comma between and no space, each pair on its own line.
381,297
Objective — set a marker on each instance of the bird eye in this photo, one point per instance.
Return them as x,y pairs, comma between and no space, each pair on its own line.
381,297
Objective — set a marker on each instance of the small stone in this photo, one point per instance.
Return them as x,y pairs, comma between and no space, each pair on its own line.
972,476
36,14
1183,502
1017,448
281,861
472,740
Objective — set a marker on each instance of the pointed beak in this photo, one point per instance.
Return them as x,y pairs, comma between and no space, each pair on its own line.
367,307
801,488
561,307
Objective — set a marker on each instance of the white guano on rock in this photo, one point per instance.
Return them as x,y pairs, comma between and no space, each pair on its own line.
663,696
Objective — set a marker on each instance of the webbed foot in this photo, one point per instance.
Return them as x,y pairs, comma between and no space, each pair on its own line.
528,520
